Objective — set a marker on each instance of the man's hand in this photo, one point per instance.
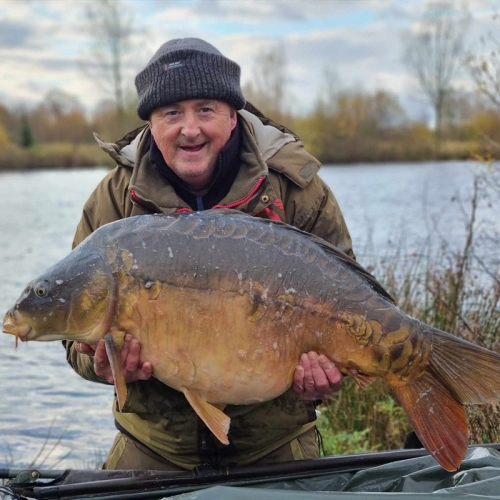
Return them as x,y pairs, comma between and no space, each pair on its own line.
129,355
316,377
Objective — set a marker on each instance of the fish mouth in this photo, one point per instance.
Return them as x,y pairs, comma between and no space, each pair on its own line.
15,325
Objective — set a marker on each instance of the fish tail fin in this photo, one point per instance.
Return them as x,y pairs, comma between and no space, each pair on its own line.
437,417
468,370
459,373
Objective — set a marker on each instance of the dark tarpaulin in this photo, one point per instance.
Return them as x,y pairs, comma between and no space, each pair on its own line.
412,473
478,477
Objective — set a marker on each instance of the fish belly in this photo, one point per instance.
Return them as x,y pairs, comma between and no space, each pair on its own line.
220,345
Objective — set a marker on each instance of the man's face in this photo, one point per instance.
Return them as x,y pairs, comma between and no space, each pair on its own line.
190,135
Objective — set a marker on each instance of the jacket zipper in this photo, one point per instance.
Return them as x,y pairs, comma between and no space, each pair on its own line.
243,200
137,200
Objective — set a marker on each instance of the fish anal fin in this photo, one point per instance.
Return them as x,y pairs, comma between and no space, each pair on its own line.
217,421
363,380
114,342
438,418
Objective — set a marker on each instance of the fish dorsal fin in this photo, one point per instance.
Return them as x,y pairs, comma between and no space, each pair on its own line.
325,245
114,342
363,380
217,421
438,418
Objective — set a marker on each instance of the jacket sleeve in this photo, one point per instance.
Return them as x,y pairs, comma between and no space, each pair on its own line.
106,204
314,209
308,202
326,219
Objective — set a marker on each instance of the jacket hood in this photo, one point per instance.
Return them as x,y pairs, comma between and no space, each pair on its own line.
124,151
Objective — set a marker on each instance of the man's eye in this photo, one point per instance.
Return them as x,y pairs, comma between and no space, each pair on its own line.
206,110
171,113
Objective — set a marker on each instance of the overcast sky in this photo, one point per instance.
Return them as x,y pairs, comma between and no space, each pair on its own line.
44,44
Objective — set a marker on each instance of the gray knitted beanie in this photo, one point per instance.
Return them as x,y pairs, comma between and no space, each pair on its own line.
187,68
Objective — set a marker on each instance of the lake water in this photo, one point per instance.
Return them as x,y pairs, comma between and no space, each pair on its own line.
42,401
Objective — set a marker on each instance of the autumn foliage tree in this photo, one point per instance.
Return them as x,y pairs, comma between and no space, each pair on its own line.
350,124
60,118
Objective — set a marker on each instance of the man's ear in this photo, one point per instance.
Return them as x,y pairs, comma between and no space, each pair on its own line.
234,117
150,123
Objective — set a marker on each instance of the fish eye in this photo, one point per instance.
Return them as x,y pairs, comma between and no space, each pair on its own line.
41,290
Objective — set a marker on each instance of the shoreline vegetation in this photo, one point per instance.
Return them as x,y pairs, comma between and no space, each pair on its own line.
61,155
353,127
454,291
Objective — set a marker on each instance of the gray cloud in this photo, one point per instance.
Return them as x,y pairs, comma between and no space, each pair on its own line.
52,64
14,35
252,11
367,56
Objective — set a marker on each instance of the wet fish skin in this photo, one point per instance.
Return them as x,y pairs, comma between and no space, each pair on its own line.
223,305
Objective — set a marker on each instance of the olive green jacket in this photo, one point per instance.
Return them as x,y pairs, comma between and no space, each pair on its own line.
277,179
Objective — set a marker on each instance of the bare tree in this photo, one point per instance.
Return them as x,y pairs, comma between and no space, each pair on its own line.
485,71
329,92
485,68
434,52
267,90
110,25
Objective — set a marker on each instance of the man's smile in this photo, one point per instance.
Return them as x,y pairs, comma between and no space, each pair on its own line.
194,148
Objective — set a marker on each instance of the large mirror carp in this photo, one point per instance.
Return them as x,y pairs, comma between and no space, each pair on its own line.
223,305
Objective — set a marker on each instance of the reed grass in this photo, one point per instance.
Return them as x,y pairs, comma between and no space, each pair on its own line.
53,155
451,290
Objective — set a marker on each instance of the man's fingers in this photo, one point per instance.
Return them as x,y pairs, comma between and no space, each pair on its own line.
101,362
132,361
320,382
130,358
309,386
298,380
125,348
145,372
84,348
333,374
316,377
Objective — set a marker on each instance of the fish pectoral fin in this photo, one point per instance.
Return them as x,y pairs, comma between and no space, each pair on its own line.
217,421
439,419
363,380
112,341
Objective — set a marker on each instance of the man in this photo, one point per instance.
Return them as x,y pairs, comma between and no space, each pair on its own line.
202,148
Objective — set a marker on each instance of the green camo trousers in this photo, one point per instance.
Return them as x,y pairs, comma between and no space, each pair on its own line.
132,455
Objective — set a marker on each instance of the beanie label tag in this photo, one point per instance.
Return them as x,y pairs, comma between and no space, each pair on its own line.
173,65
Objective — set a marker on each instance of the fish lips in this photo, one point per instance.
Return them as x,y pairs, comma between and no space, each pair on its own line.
13,324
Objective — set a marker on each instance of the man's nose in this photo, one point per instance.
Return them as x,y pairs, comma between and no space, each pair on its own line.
190,126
